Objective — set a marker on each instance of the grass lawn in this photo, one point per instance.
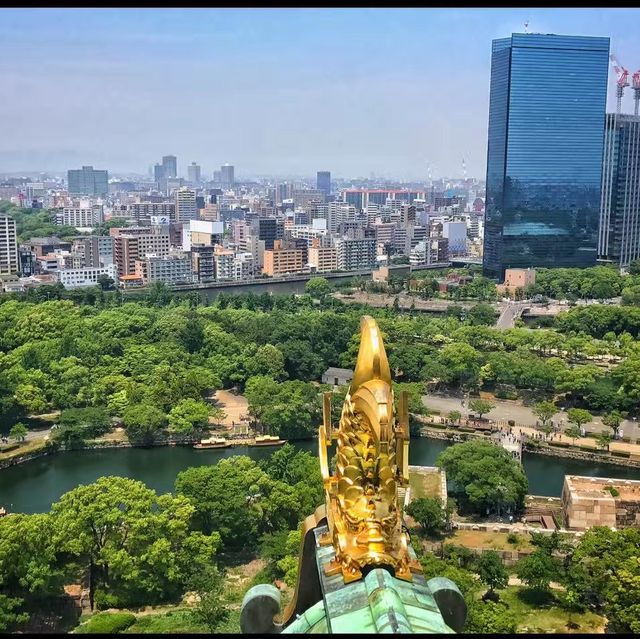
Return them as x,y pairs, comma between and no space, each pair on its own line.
26,447
487,539
176,621
424,484
547,617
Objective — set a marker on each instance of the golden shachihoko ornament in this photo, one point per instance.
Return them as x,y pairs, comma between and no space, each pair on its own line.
364,516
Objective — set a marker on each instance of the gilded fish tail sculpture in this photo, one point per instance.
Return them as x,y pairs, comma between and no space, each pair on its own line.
357,571
363,514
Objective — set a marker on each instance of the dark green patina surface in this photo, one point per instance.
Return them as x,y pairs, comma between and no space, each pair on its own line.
379,603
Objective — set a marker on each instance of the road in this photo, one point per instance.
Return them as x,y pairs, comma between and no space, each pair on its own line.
511,311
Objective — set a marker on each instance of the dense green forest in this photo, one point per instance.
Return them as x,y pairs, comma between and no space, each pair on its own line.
153,361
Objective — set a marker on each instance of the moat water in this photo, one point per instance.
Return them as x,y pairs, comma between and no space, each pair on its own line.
33,486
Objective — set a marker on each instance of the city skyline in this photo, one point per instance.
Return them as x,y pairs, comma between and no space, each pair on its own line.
233,89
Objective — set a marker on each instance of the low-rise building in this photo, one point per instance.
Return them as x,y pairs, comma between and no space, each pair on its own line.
170,269
600,501
233,266
280,261
517,278
86,276
432,250
81,217
322,259
337,376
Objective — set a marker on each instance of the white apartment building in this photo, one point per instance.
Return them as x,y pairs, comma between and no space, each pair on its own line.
233,266
432,250
8,245
309,232
86,216
355,254
337,213
87,276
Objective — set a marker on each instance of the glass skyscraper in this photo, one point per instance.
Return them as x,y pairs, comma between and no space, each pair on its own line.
544,158
619,238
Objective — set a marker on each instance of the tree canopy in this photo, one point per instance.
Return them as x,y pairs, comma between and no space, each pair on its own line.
485,476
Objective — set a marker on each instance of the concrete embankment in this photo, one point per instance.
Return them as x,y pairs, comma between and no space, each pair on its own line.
550,451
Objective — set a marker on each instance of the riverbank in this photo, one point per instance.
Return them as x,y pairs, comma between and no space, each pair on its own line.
429,433
537,449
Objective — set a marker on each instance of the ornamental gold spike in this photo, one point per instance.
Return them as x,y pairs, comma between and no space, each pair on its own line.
364,515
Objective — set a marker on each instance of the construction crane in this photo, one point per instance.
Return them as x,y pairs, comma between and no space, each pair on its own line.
636,90
622,81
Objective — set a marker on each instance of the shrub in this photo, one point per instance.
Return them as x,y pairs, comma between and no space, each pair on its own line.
513,538
108,623
614,491
104,600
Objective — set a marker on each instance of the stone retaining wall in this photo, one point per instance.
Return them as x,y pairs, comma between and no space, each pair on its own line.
509,557
550,451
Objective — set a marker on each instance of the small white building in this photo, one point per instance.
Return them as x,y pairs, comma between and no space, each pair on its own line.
88,276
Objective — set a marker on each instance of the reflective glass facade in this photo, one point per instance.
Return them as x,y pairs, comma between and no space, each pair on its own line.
619,239
544,158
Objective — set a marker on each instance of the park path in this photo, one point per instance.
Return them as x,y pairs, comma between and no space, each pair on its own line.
514,581
522,415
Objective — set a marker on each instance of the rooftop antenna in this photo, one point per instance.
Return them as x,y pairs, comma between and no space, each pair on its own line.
622,81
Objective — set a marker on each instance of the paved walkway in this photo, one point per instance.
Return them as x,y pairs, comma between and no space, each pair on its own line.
506,410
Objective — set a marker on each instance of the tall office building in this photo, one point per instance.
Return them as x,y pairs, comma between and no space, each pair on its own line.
8,246
158,173
323,182
88,181
619,236
226,174
544,160
186,208
170,164
193,173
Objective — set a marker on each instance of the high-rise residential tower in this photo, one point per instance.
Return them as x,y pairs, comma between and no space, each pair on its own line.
8,246
170,164
226,174
88,181
186,208
544,159
193,173
323,182
619,236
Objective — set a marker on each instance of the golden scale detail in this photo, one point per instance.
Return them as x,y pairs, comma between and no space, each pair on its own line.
364,516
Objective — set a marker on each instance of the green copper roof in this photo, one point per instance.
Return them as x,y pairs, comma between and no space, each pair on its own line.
379,603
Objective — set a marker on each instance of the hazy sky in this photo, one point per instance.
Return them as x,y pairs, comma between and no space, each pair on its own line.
280,91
